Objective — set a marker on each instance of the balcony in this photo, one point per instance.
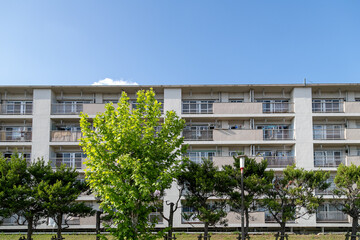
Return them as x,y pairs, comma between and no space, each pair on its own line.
329,134
197,107
279,161
76,163
278,134
253,134
328,161
66,108
65,136
15,136
252,108
238,135
327,106
331,216
198,135
277,107
273,161
16,108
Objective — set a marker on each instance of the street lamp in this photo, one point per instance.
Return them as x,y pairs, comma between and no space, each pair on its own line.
242,166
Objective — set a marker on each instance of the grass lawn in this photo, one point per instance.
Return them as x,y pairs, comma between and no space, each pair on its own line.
183,237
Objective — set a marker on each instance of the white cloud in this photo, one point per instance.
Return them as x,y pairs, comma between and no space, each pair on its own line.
109,81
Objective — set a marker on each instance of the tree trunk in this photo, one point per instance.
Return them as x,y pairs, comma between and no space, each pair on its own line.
246,221
354,228
30,221
206,231
171,216
282,230
59,223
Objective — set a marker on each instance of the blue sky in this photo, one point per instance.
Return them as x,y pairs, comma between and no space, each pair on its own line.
62,42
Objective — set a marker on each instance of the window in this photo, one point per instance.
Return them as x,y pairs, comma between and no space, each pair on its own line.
329,212
70,159
197,156
328,158
274,106
328,132
19,107
197,106
236,100
327,105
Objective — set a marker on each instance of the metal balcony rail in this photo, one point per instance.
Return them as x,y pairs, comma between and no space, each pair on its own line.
197,108
65,136
155,217
15,136
279,161
277,107
198,135
328,134
278,134
328,191
327,106
66,108
17,108
331,216
328,161
69,162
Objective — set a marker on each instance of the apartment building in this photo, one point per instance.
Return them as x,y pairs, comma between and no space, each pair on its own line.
314,126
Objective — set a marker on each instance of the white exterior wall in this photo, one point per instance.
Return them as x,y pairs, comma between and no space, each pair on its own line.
303,127
41,123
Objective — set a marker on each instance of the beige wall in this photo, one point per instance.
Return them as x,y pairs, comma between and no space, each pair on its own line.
93,109
238,135
222,161
237,108
353,160
254,217
352,107
352,134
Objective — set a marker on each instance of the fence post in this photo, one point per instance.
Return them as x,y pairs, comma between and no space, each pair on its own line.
200,237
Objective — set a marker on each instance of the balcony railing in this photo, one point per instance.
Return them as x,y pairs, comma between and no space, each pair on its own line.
17,108
327,106
200,135
69,162
155,217
279,161
65,136
331,216
328,161
328,134
328,191
66,108
15,136
197,108
278,134
277,107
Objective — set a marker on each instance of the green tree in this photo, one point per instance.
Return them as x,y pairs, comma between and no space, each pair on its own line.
59,195
347,181
292,195
201,183
19,190
256,181
132,153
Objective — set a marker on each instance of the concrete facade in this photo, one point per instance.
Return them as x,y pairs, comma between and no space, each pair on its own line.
313,126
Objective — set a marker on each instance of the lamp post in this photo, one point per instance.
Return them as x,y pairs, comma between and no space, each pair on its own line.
242,166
